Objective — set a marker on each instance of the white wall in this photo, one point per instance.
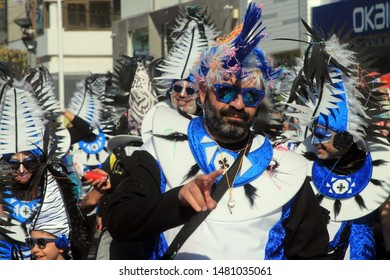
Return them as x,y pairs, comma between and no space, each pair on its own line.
84,52
131,8
282,20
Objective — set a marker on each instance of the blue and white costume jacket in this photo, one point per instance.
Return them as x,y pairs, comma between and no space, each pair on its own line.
276,215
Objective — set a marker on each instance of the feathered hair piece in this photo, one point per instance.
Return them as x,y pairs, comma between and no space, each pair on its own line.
44,89
328,89
86,101
52,215
237,51
22,121
192,34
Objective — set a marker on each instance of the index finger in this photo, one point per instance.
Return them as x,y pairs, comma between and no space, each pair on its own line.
215,174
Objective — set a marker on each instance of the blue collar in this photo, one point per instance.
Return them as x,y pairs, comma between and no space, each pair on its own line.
341,186
209,156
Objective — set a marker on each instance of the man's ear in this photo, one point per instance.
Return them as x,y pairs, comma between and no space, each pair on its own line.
202,92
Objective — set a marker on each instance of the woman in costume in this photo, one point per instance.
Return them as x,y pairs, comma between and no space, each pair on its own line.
22,125
31,150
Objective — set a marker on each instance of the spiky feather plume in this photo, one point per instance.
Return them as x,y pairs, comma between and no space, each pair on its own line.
52,215
192,34
86,102
22,120
44,89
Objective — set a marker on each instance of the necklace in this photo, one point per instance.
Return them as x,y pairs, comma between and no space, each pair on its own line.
231,202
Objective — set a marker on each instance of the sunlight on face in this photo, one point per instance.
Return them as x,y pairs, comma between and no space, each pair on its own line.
50,252
230,122
23,174
323,140
183,96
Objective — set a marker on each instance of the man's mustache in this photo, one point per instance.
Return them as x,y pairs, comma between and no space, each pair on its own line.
233,111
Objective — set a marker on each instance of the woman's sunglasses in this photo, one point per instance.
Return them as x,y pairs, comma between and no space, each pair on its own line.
179,89
227,93
41,242
29,164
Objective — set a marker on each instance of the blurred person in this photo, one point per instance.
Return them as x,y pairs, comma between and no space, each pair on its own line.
348,159
193,33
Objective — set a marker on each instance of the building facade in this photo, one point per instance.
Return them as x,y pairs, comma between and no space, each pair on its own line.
86,36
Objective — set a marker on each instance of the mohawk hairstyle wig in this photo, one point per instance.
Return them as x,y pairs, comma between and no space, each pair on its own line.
236,53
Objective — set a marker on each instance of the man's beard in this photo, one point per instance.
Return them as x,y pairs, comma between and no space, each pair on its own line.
226,129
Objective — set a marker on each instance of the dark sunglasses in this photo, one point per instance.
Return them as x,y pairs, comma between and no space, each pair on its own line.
41,242
179,89
227,93
29,164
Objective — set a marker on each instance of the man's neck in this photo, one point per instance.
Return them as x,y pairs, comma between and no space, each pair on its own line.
350,162
235,146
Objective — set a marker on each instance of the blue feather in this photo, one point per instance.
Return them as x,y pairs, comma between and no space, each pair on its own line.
251,33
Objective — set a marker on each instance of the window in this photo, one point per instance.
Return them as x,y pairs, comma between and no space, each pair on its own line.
99,13
77,15
117,10
141,41
89,15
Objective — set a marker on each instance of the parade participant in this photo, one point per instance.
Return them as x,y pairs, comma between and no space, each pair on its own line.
349,160
21,155
259,213
49,232
30,159
20,200
120,147
44,246
191,35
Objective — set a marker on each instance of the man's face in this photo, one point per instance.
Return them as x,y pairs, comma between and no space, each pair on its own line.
183,96
323,140
230,121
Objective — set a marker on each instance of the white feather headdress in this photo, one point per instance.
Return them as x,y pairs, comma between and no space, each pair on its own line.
45,91
194,34
52,215
86,101
22,121
331,88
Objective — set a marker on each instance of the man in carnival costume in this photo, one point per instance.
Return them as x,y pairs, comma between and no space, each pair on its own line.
191,35
249,212
337,102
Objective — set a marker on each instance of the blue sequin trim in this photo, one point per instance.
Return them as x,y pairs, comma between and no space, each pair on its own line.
362,242
259,158
274,249
341,186
162,245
